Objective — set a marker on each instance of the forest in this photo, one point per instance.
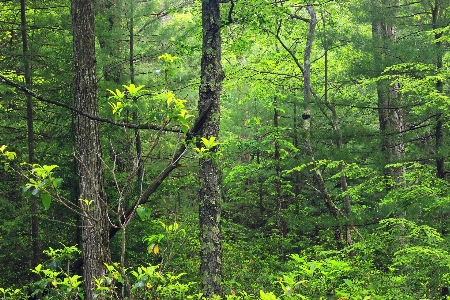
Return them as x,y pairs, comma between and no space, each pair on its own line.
224,149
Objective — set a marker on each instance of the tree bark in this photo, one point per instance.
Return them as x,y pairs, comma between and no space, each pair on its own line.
439,129
95,226
209,173
390,115
30,128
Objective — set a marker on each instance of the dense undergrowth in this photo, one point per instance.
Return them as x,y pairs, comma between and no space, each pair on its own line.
399,260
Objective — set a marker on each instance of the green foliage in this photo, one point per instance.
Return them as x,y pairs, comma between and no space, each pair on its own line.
133,101
6,157
206,151
57,280
41,182
12,294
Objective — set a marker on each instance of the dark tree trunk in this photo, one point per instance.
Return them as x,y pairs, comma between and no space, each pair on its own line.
439,129
278,193
30,128
95,226
209,173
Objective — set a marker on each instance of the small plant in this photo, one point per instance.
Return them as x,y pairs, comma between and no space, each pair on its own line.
6,157
206,151
41,181
172,235
12,294
56,281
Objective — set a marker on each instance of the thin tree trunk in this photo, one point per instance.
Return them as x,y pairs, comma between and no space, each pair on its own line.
138,144
439,129
95,226
278,194
306,116
296,145
209,173
30,128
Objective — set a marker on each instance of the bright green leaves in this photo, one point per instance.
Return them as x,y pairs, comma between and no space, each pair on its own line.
11,293
267,296
172,109
206,152
54,279
208,144
117,94
167,58
40,182
6,156
127,101
117,107
161,108
133,90
40,178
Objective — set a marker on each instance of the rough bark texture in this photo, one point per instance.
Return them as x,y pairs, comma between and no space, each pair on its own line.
91,185
209,173
390,114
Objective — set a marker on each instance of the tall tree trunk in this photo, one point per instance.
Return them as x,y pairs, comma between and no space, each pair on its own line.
306,115
439,129
30,128
95,226
390,114
209,173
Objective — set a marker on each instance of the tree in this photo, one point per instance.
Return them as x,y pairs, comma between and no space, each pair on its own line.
209,173
30,129
95,239
390,113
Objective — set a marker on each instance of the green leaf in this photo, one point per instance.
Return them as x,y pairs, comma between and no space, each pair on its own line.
143,213
348,282
133,90
57,182
46,200
35,192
